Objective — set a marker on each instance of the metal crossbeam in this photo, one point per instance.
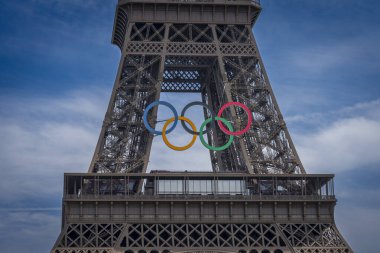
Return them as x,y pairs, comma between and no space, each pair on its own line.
206,47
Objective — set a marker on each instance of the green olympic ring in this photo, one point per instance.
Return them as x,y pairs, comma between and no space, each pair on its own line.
225,146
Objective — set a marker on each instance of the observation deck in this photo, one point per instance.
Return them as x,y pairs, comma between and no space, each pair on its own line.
194,197
219,2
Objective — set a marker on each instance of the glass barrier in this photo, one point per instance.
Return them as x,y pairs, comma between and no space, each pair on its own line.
155,184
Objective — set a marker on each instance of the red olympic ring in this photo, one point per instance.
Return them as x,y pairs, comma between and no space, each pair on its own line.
241,132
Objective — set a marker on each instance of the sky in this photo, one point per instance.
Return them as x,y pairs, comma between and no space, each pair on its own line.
57,69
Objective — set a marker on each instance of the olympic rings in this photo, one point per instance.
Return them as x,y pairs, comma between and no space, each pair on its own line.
182,118
225,146
149,107
213,115
250,119
171,145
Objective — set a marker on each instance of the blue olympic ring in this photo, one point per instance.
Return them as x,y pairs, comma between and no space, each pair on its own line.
145,117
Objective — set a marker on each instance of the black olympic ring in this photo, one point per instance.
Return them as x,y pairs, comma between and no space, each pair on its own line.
213,115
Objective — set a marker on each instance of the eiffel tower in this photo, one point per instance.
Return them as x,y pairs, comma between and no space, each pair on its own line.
258,199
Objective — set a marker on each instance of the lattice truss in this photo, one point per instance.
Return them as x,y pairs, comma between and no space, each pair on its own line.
302,238
223,64
220,77
168,236
268,143
233,34
200,33
147,32
232,158
190,39
186,74
83,251
314,238
124,139
90,236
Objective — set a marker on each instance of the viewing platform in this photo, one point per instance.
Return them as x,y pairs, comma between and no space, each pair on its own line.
195,196
203,185
221,2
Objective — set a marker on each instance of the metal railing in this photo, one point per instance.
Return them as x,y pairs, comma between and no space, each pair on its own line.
198,186
255,2
198,197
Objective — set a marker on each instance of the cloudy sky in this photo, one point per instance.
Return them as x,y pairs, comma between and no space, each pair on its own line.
57,68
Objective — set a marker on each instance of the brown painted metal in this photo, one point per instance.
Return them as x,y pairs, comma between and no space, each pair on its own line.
204,46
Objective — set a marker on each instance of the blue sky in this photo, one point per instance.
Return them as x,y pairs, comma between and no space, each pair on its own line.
57,68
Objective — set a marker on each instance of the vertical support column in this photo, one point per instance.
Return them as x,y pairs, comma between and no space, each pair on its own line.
242,159
186,210
108,115
156,210
158,91
126,210
216,159
276,106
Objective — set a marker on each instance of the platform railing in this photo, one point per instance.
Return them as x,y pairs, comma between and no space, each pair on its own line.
199,197
255,2
198,185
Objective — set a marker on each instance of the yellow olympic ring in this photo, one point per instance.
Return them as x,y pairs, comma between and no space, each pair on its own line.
171,145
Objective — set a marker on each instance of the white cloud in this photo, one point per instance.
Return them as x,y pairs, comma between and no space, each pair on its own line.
43,138
32,230
369,110
348,139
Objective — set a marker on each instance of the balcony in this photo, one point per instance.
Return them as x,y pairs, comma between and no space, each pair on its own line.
198,186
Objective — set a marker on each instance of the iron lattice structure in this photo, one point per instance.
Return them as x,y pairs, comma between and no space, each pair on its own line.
204,46
226,236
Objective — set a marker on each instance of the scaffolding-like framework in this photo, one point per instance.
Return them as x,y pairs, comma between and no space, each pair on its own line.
208,47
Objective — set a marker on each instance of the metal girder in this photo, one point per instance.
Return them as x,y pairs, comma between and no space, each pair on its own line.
206,47
185,237
235,76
